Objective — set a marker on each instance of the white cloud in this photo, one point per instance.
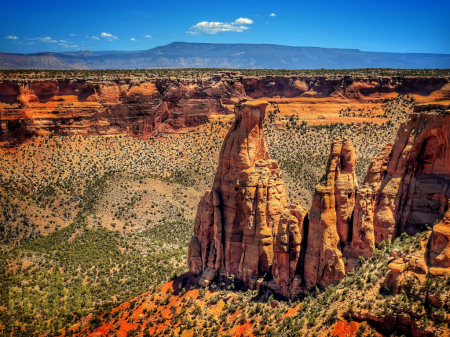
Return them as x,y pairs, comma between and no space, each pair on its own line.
147,35
207,27
43,39
133,39
95,37
12,37
64,41
272,14
110,37
72,35
30,43
46,39
243,21
68,45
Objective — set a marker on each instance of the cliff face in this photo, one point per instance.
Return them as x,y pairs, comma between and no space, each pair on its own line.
407,187
245,228
138,108
145,107
438,253
344,86
416,188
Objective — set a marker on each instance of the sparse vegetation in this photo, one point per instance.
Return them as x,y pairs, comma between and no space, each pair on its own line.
203,72
89,222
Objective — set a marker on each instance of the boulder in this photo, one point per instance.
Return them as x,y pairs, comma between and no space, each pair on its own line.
439,247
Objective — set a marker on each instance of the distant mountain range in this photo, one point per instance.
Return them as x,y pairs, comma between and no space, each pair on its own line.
215,55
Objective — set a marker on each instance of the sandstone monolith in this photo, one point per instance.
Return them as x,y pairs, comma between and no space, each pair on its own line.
243,226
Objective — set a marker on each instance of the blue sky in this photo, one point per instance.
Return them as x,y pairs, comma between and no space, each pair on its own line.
389,26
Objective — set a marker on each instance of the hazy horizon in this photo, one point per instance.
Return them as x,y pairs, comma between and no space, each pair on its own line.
220,43
385,26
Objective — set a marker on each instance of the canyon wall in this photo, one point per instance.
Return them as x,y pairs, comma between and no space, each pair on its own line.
350,87
145,107
416,187
137,108
244,226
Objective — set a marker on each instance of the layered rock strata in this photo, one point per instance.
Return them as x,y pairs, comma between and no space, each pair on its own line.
438,253
406,189
331,212
243,225
416,187
135,107
288,251
144,107
363,237
245,228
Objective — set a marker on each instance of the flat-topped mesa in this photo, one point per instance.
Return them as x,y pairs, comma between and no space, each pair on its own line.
246,212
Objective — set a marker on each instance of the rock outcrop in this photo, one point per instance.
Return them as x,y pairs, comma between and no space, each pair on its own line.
26,97
406,189
416,187
144,107
288,251
414,194
331,212
438,253
363,238
243,226
139,108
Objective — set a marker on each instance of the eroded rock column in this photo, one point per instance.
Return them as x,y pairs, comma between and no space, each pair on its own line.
363,237
323,259
238,222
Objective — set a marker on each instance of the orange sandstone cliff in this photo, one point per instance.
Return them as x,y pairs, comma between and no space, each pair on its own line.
144,107
331,211
363,237
244,226
138,108
415,190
